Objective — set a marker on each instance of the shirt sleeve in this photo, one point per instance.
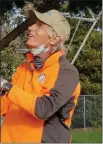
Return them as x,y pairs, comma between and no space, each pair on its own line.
63,90
5,102
45,106
4,105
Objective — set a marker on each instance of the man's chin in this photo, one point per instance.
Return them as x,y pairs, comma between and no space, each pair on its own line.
30,45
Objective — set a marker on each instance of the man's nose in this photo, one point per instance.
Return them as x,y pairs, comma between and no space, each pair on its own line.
32,27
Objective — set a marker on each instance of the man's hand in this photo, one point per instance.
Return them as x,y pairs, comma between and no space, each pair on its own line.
5,86
2,82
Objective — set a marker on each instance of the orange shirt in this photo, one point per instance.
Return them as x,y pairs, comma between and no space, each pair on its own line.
38,98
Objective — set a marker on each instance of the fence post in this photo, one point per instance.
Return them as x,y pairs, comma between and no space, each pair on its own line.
84,114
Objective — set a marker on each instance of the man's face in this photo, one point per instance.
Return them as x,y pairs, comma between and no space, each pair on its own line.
37,34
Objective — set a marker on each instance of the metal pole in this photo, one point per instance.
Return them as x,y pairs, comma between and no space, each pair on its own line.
84,114
85,39
75,32
82,18
67,15
91,13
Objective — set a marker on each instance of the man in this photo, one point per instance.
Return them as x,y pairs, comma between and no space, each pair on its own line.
38,104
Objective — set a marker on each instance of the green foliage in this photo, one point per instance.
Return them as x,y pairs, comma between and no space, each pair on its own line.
44,5
89,60
76,5
89,65
10,60
93,112
77,120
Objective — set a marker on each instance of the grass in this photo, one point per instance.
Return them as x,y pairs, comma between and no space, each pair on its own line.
89,135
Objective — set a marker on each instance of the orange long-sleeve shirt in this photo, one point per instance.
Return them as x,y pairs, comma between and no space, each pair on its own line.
40,105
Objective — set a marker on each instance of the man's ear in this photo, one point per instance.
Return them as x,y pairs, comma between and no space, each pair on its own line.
56,41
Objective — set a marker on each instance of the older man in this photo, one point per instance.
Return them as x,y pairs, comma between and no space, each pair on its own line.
39,102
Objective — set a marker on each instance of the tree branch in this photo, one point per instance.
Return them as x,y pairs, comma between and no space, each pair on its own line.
12,35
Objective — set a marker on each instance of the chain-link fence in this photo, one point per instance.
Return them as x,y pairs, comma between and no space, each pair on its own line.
88,112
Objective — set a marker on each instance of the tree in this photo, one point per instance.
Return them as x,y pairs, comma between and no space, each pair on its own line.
44,5
89,65
93,112
85,79
89,61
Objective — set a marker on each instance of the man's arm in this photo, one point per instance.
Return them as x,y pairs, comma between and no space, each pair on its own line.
5,102
45,106
4,105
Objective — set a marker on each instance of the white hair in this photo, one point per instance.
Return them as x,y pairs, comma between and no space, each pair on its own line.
53,34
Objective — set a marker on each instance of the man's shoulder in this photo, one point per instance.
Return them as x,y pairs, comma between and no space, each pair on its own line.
22,66
66,65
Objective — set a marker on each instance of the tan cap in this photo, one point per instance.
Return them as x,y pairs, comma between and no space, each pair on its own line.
56,20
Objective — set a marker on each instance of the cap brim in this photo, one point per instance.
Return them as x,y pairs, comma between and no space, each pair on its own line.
33,15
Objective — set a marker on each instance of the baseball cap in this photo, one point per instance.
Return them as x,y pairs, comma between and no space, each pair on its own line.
54,19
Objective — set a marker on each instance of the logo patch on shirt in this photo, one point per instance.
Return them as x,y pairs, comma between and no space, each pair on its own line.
41,78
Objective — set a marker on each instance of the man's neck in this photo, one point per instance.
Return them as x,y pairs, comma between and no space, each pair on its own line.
47,54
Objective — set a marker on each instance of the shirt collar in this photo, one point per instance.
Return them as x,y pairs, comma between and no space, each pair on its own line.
54,58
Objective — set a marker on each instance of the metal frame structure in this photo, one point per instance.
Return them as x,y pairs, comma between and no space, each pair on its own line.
93,19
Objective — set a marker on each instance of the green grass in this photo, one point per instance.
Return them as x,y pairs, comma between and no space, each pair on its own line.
87,136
